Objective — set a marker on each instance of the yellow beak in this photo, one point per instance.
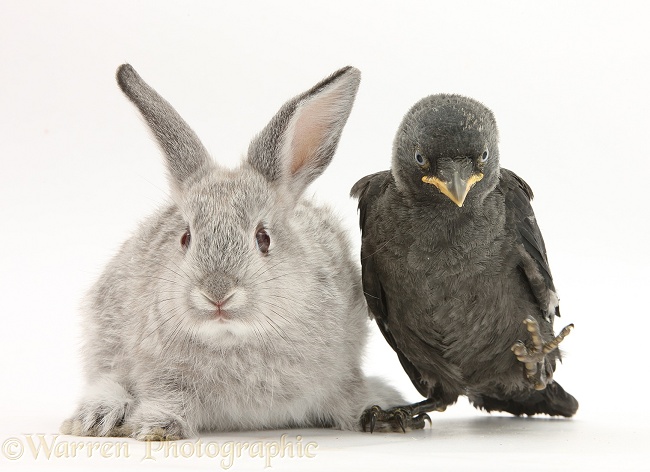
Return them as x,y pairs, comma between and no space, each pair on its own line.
456,189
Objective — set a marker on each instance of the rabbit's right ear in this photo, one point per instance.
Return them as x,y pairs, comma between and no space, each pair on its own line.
299,142
185,155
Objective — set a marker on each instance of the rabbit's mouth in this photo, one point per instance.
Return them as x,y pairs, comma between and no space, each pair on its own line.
221,315
217,310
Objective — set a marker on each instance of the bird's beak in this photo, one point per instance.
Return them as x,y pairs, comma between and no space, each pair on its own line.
456,188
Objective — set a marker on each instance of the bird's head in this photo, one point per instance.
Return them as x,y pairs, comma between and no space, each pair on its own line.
446,150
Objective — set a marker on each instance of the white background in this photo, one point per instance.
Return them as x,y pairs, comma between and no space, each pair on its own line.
568,82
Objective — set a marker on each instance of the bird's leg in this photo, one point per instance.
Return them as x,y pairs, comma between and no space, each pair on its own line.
400,418
533,358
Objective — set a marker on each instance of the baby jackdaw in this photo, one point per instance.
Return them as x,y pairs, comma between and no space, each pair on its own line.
455,269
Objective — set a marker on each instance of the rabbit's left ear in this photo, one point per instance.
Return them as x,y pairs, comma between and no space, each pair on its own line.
185,156
299,142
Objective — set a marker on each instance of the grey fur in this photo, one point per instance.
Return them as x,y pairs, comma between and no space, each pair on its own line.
159,362
449,286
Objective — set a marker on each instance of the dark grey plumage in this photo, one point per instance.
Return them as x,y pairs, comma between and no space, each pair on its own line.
455,269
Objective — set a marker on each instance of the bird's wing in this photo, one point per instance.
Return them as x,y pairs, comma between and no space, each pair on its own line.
368,190
520,216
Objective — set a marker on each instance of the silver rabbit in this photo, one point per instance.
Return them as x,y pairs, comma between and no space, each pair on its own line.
238,306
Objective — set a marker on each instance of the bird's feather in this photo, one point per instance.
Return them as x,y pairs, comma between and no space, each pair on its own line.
366,191
520,217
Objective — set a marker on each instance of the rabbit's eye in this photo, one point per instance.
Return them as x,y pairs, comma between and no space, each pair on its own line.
263,241
186,238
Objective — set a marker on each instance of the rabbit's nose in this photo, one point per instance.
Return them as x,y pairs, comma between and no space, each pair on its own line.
218,302
220,310
218,290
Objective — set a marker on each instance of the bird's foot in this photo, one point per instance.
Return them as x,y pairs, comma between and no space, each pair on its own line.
533,357
400,418
392,420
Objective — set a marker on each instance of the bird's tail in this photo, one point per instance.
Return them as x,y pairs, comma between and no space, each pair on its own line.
553,401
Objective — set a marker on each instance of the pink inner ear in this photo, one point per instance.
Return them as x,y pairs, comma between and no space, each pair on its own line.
312,125
308,138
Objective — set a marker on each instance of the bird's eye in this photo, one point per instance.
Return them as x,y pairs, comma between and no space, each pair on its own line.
186,238
484,156
262,241
419,158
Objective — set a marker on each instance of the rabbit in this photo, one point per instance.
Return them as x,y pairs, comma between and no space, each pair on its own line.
237,306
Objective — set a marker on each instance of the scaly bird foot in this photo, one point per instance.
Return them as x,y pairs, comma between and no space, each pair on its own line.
392,420
533,358
400,418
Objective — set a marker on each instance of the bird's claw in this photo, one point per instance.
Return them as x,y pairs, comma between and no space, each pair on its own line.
396,419
533,357
426,417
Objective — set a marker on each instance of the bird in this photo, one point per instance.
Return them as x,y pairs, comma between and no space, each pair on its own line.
455,270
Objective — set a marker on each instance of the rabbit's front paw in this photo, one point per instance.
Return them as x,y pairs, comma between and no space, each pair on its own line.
98,418
158,427
171,431
102,411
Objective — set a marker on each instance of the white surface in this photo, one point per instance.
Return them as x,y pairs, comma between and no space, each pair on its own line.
568,82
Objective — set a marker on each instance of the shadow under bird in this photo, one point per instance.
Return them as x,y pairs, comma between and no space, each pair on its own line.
455,270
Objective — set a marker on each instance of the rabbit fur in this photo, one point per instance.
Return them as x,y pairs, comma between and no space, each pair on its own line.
197,324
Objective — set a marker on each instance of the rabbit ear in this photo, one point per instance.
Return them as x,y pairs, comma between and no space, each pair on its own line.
299,142
185,155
